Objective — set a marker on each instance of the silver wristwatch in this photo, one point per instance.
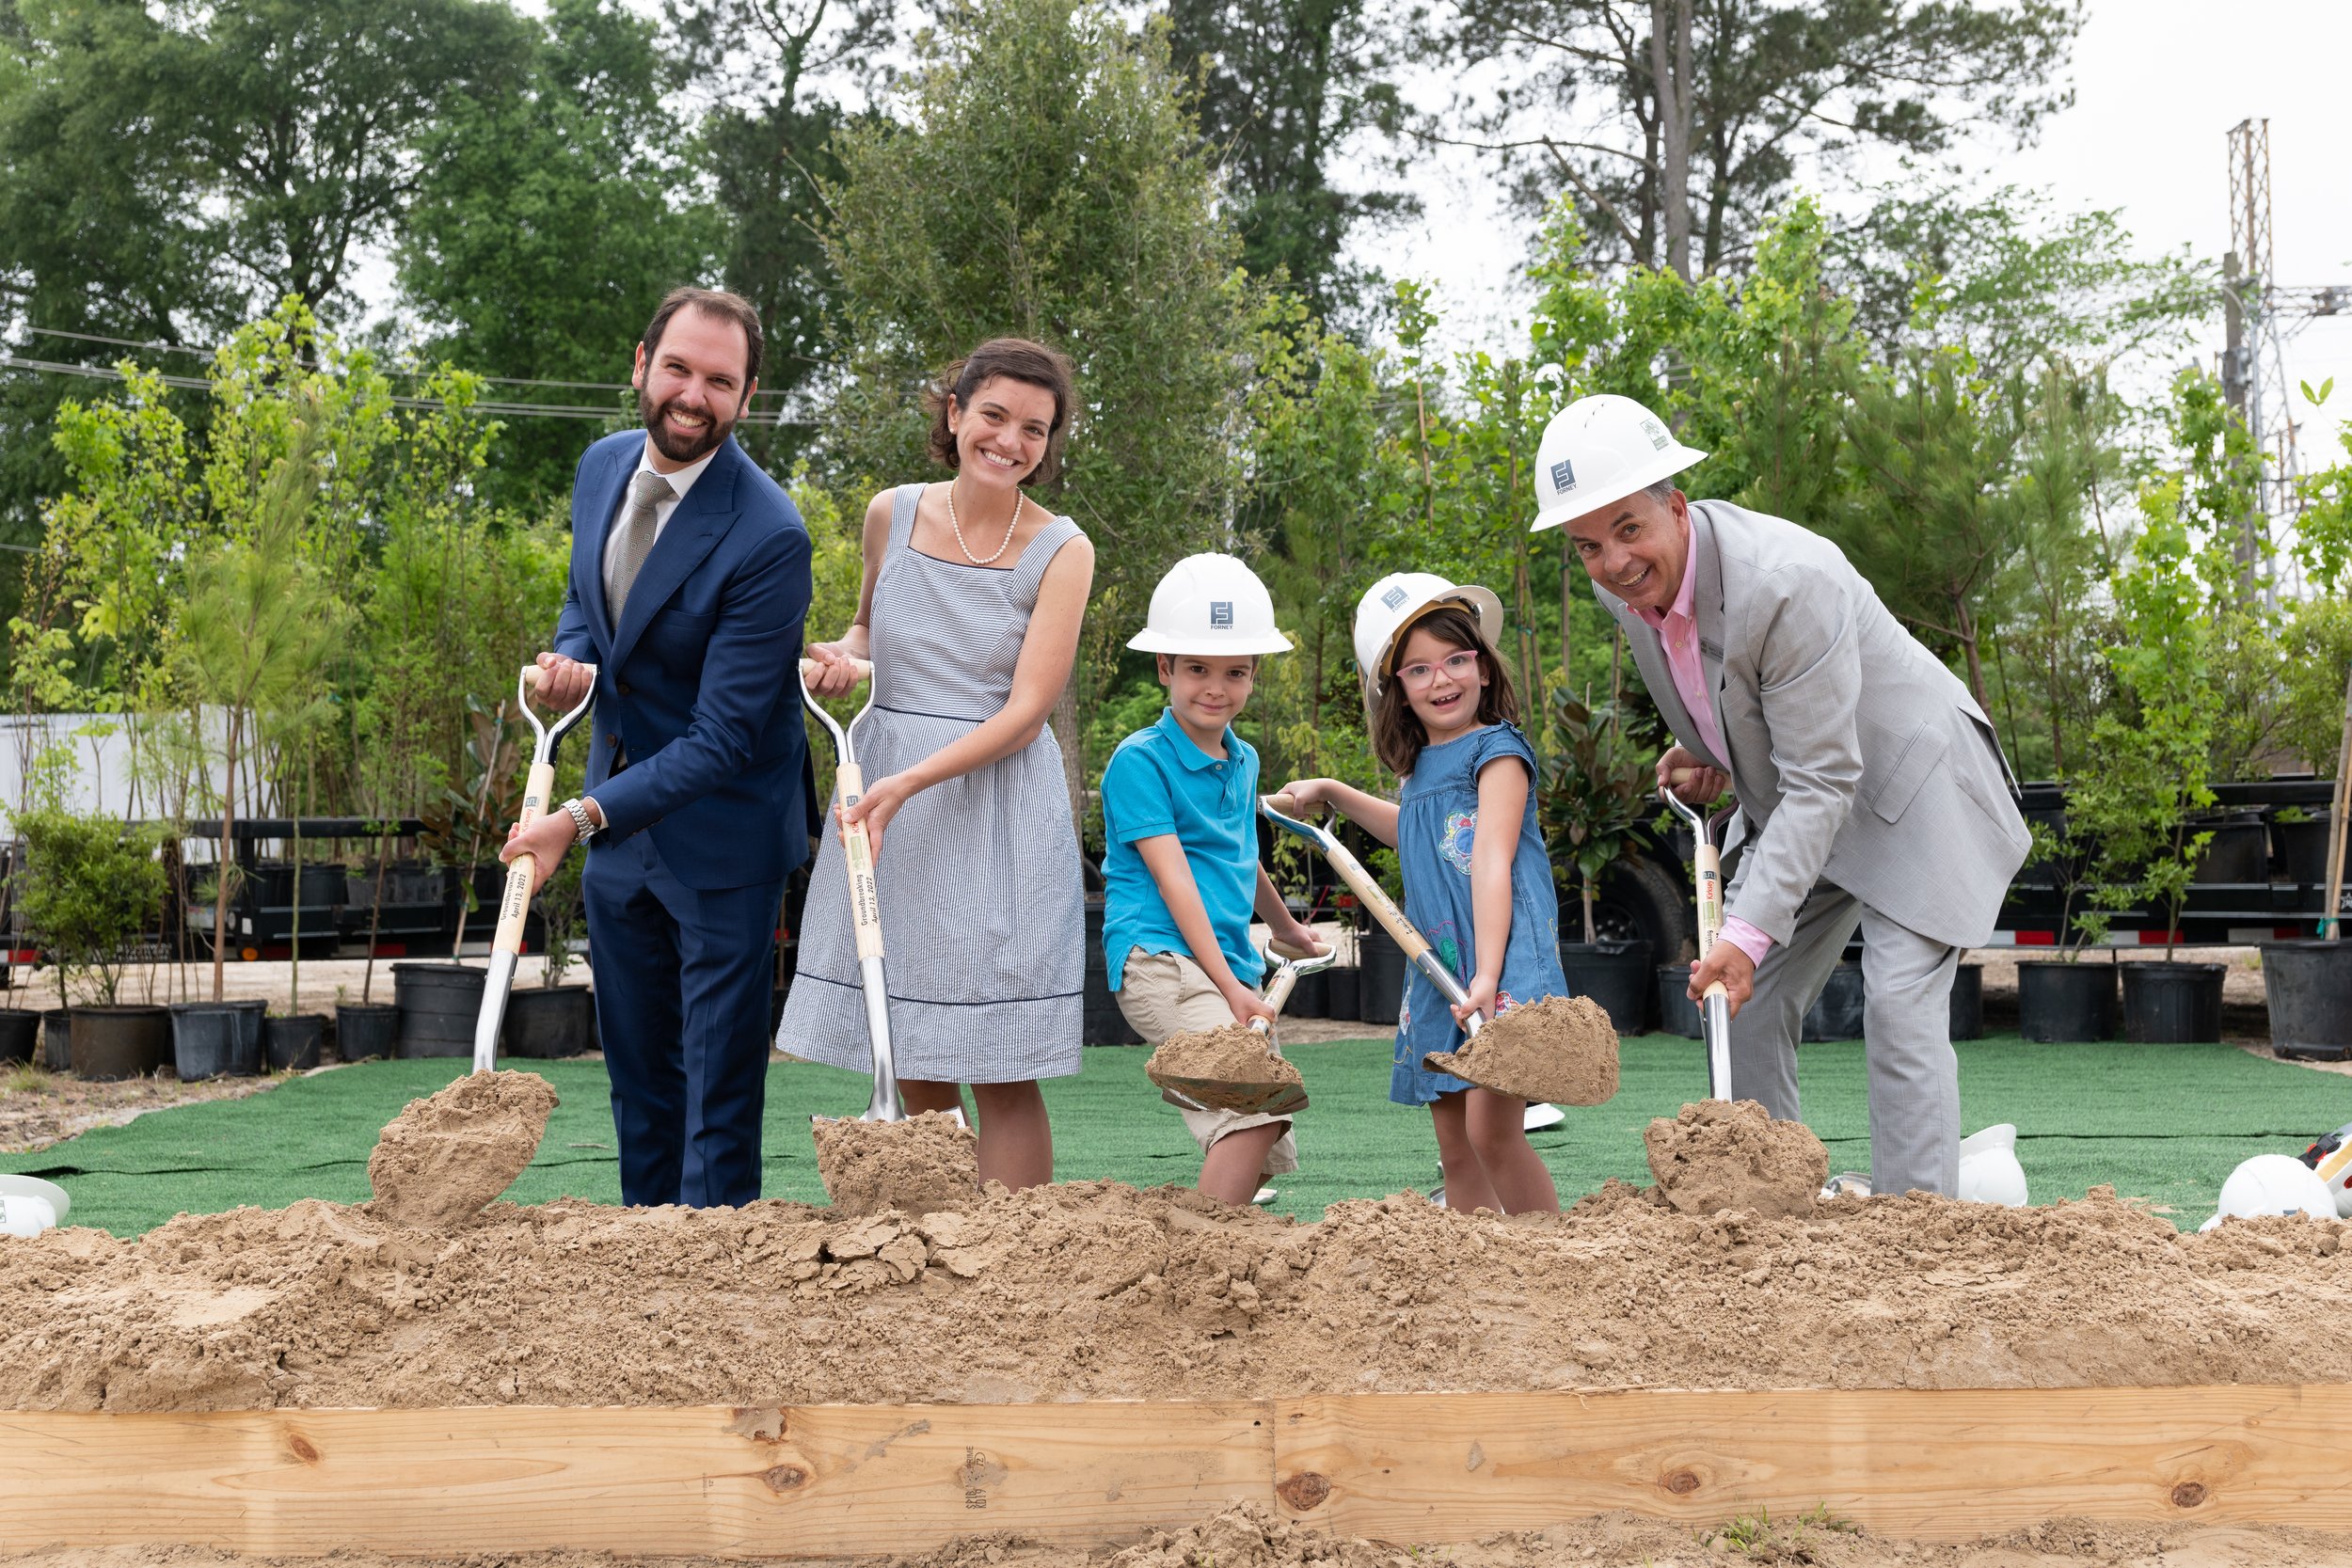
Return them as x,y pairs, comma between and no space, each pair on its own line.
584,826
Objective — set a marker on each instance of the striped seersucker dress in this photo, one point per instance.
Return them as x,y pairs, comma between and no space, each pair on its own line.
978,879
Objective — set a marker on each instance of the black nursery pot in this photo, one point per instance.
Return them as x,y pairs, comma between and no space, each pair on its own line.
1837,1013
1104,1025
209,1040
2308,986
20,1033
2172,1004
1677,1013
439,1004
543,1023
1617,975
294,1043
120,1042
2066,1001
366,1030
1968,1002
1380,977
1340,980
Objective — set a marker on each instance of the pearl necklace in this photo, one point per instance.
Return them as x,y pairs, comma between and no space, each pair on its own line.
954,523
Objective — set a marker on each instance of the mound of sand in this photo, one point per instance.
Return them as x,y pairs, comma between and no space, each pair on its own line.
445,1157
1718,1155
1095,1291
923,1163
1563,1049
1231,1066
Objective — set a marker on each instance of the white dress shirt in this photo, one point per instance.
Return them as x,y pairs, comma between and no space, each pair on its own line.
680,482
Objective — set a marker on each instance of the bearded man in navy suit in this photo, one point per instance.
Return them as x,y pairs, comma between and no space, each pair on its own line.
688,584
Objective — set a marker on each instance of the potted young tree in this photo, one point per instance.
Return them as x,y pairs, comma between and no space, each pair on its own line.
554,1019
1596,797
92,884
2066,999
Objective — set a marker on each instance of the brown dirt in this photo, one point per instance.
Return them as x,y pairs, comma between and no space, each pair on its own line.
1561,1049
923,1163
1249,1536
1717,1155
1231,1054
1095,1291
447,1156
39,1109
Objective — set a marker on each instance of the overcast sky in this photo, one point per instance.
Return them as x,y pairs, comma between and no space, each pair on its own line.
2158,84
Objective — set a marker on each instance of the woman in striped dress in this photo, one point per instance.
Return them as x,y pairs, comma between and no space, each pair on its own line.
970,609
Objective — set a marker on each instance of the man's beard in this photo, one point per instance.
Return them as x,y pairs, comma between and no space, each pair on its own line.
667,443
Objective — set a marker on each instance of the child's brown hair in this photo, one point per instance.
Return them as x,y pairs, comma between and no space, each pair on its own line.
1396,734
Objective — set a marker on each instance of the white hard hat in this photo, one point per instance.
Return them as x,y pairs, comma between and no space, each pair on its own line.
1210,604
29,1206
2274,1185
1601,449
1399,599
1989,1171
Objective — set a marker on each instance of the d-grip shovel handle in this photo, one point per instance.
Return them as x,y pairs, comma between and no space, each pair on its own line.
1295,965
522,872
857,846
1707,867
1283,809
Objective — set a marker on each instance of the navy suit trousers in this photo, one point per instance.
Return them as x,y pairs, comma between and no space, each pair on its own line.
684,980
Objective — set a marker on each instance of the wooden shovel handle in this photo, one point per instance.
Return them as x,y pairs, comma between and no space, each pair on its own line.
1707,863
857,851
1361,883
523,870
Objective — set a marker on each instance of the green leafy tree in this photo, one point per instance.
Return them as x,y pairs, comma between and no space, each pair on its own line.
1597,794
1681,125
91,885
1285,88
1047,183
546,223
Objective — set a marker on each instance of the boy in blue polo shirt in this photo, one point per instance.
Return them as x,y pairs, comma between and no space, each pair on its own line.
1180,809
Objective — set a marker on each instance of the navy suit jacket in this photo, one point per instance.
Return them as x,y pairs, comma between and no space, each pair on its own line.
697,688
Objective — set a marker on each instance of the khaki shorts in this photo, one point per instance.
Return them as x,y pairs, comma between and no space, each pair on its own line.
1167,993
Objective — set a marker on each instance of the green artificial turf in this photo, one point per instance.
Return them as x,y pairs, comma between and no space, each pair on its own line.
2161,1122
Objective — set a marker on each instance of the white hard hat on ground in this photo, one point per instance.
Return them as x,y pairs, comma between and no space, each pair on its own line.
29,1206
1601,449
1989,1171
1210,604
1390,606
2273,1184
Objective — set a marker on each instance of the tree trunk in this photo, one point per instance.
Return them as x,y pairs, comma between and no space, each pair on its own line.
220,858
1965,624
1670,71
1064,724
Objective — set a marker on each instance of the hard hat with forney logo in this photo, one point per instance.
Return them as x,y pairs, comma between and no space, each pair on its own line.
1210,604
1601,449
1391,605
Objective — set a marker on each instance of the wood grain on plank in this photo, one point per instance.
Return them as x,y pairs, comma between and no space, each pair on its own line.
1932,1463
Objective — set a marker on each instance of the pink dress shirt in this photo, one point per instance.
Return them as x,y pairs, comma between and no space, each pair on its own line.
1678,632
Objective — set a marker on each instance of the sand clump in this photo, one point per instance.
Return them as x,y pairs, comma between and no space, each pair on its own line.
1250,1535
1719,1155
1562,1049
446,1157
1196,1064
926,1162
1096,1291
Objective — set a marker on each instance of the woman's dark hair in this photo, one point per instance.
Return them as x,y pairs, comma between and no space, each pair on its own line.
1022,360
1396,734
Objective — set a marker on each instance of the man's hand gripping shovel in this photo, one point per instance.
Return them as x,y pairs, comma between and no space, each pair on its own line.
522,872
1715,1005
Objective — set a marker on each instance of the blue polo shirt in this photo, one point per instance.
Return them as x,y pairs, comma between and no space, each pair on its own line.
1158,782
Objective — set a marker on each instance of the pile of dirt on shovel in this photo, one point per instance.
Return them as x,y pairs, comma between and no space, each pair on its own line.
1097,1291
926,1162
1229,1053
1247,1535
443,1158
1720,1155
1563,1049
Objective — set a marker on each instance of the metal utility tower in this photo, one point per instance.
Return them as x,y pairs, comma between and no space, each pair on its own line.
2261,315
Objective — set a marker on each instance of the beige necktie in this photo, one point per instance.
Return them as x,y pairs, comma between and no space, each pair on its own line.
645,492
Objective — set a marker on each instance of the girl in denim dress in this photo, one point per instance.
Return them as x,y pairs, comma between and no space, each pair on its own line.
1477,883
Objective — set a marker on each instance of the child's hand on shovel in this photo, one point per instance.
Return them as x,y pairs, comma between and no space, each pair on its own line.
1482,990
546,841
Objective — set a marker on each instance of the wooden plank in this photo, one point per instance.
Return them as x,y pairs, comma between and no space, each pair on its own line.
819,1480
1936,1464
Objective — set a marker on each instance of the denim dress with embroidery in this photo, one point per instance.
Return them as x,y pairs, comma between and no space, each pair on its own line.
1436,822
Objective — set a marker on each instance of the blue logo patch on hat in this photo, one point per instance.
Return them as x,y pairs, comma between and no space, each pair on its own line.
1563,476
1393,597
1220,613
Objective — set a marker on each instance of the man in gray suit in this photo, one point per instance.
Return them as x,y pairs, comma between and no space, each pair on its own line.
1871,789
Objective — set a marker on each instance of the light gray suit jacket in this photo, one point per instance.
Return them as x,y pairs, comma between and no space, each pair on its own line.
1857,757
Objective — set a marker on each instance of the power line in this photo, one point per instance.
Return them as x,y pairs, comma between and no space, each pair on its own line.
201,352
503,410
